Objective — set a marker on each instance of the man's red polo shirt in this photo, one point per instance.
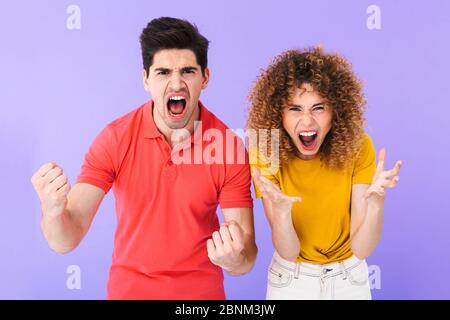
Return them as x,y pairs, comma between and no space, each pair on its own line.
165,211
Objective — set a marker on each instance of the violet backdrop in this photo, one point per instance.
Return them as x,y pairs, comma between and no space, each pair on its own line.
59,87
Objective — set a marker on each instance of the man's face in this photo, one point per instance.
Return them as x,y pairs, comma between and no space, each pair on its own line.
175,81
307,120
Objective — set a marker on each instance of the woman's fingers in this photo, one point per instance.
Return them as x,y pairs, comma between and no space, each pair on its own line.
381,160
265,188
294,199
394,171
393,182
269,184
390,183
271,191
264,183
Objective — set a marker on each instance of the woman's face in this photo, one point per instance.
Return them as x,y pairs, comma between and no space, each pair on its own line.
307,120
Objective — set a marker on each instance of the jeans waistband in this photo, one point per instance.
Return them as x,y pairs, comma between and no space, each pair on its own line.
318,270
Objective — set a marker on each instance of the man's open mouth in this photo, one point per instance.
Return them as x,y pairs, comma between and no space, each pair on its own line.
308,139
176,105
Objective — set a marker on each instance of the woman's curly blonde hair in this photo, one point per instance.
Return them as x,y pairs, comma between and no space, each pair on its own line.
332,77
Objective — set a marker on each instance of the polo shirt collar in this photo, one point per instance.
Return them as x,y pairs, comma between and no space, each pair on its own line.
150,129
205,121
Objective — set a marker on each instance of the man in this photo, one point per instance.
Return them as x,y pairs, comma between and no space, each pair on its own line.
168,243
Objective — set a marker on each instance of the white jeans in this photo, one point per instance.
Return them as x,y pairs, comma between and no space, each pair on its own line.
343,280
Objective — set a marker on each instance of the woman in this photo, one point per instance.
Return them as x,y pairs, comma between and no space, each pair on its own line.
325,203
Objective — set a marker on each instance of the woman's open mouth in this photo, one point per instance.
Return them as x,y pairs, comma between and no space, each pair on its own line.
308,139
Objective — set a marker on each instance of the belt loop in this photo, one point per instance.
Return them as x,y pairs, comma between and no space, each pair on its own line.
343,270
297,270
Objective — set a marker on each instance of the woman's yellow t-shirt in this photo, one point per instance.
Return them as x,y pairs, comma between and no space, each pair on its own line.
322,219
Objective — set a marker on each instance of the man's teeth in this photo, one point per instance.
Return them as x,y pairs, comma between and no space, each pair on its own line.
177,98
307,134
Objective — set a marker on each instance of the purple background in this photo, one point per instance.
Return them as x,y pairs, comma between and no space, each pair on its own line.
59,87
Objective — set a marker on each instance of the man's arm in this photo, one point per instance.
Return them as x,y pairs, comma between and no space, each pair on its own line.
67,213
233,247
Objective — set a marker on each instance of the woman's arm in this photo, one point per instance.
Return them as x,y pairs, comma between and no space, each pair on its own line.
277,207
367,205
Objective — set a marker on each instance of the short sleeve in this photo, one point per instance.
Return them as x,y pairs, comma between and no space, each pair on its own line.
235,192
257,160
365,165
98,167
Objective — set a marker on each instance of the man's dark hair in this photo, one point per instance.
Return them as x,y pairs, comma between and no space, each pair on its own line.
172,33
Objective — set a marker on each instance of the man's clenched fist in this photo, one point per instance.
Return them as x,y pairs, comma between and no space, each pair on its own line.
226,246
52,186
